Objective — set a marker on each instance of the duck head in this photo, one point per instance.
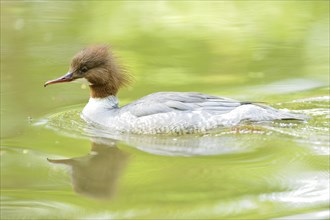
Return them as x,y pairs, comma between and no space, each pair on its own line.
98,66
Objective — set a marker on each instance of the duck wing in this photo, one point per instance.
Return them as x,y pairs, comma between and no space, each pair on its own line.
163,102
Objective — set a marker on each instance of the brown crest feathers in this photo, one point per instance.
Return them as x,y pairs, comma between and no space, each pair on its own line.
104,73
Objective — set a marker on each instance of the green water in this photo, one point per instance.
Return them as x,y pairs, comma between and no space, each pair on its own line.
275,52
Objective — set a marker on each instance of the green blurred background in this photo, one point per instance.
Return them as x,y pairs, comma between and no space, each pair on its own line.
270,51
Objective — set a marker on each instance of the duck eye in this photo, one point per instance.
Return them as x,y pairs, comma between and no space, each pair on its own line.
83,69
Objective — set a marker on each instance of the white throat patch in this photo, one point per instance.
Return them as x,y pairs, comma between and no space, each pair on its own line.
83,81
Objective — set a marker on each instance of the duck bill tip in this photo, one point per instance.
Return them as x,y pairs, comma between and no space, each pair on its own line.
66,78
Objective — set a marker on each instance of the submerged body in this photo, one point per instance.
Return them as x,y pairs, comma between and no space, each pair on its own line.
177,113
158,113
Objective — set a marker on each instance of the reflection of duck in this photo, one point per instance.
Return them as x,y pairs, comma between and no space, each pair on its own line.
97,173
164,112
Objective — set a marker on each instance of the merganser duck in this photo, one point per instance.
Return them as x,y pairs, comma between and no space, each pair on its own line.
157,113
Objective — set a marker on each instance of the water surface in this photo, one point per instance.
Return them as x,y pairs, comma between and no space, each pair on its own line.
55,166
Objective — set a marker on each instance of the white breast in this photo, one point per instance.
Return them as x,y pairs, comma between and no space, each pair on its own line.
100,110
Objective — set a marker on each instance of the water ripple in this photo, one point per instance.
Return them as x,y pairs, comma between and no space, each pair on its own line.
242,138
